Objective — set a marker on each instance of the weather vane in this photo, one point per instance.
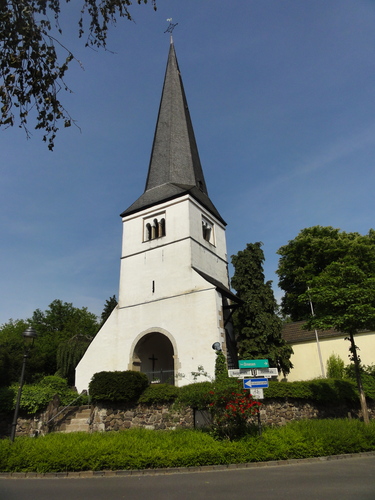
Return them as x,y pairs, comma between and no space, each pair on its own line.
171,26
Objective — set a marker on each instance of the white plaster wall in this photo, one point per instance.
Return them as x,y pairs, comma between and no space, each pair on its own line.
306,358
191,320
159,291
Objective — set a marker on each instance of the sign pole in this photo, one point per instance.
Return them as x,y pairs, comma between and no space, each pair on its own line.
259,424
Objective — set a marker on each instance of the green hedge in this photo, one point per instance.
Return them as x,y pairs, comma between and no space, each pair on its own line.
145,449
159,394
329,391
118,386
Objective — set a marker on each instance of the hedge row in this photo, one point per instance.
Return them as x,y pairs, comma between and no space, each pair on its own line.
130,386
145,449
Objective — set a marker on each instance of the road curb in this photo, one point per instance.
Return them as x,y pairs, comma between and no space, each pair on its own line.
177,470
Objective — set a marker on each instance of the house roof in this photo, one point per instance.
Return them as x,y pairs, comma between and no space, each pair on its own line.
175,168
294,333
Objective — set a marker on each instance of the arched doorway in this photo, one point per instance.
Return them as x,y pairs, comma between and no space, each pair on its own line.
154,355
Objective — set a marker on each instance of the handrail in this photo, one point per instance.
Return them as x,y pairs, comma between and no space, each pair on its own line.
83,393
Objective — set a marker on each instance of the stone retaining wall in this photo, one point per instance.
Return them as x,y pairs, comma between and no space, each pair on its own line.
120,417
273,412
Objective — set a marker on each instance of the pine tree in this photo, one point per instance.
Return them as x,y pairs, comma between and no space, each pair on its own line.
257,325
109,305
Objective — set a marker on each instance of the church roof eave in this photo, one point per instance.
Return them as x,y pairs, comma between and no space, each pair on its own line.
168,192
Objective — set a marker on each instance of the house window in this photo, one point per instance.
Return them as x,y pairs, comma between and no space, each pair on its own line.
154,227
208,231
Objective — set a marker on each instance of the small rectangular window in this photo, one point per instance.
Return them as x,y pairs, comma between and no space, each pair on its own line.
208,231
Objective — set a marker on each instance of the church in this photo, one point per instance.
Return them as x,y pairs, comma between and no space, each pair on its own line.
174,303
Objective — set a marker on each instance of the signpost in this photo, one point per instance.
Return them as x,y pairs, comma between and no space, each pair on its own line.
253,363
257,393
254,368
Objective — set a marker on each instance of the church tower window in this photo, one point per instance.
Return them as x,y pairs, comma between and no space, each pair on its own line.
208,231
154,227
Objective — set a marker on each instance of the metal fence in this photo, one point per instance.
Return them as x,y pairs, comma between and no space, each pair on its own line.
161,377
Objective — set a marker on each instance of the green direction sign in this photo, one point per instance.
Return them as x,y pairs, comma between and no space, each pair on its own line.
253,363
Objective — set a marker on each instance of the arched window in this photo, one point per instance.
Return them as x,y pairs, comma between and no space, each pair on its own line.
148,232
154,227
161,228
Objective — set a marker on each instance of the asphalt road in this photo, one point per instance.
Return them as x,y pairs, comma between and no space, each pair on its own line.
342,479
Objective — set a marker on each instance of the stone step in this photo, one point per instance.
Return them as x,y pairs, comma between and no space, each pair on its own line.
79,421
77,428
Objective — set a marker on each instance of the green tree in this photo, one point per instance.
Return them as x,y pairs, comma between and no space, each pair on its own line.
32,71
60,323
109,305
69,354
257,324
342,288
11,352
304,257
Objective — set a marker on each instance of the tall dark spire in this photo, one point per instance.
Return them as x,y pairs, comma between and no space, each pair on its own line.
175,168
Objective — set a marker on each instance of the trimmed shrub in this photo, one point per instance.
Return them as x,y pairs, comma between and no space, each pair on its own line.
320,390
118,386
159,394
195,395
200,395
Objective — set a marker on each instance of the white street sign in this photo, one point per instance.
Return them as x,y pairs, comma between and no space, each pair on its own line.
257,393
267,372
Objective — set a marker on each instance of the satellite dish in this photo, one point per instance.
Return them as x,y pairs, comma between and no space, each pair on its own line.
216,346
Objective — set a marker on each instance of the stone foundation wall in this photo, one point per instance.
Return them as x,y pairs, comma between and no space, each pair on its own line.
155,417
273,412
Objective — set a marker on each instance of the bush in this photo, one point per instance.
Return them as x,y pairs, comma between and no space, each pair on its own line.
367,377
335,367
195,395
159,394
117,386
36,397
320,390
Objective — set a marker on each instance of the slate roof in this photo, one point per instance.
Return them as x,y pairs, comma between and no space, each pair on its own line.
175,168
224,290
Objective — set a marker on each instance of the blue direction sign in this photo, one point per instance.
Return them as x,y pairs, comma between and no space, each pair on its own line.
259,383
253,363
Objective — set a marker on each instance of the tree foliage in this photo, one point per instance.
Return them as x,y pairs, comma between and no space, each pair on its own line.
32,70
109,305
11,352
336,271
304,257
69,354
257,325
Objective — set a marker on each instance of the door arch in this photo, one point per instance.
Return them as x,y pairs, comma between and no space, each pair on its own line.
154,355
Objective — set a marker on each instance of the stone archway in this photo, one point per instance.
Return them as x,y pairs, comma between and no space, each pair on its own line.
154,355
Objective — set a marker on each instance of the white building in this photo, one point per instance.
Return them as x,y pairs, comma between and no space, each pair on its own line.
174,297
312,350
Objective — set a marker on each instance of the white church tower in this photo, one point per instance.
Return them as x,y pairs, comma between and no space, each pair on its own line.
174,297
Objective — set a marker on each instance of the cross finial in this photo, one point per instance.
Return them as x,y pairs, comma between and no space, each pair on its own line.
171,27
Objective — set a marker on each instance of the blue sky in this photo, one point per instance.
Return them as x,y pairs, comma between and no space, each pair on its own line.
282,98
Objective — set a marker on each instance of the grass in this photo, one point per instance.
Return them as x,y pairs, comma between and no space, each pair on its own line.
142,449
